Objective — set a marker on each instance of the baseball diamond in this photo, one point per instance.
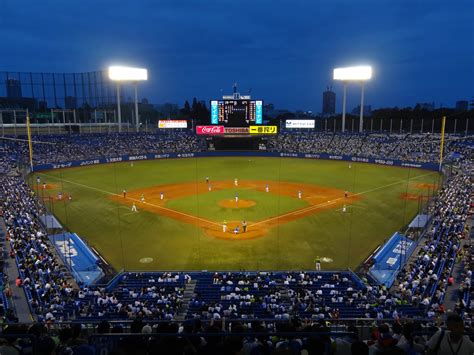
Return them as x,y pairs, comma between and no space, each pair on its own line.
183,230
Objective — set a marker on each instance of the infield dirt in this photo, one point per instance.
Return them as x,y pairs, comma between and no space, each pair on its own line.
319,199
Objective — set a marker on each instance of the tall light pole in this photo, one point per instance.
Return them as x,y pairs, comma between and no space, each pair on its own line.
137,120
361,116
344,107
127,74
358,74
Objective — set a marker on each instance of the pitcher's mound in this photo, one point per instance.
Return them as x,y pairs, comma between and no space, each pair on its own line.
240,204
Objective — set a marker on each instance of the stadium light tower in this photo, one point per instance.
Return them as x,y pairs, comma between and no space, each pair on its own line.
358,74
127,74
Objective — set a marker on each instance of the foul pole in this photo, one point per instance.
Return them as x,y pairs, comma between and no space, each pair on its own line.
441,149
30,144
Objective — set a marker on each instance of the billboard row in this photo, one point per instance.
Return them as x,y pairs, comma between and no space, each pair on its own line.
172,124
299,123
263,130
210,130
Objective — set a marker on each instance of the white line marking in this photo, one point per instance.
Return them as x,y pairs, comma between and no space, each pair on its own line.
300,211
314,207
132,199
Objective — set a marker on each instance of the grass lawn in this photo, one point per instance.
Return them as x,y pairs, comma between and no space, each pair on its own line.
124,238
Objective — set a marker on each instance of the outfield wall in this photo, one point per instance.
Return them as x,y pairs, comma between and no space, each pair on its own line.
324,156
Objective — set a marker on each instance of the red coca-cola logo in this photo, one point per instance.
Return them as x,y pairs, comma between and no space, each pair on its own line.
210,129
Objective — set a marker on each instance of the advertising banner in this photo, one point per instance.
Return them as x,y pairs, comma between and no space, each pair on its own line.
210,130
149,156
236,130
263,129
172,124
299,123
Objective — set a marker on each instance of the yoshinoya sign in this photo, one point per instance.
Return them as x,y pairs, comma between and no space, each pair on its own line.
210,130
172,124
263,130
299,123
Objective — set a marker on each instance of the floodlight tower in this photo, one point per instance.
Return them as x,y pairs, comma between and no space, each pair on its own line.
358,74
127,74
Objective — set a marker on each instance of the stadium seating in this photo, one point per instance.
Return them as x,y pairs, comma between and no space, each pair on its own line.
419,290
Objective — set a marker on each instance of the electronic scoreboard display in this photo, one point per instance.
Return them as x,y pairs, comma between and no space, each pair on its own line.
236,113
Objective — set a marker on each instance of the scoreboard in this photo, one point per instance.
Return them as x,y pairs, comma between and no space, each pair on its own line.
237,112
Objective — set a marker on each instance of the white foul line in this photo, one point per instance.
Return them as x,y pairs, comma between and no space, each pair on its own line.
300,211
310,208
132,199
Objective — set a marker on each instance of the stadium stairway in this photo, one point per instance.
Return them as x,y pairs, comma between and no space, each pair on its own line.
188,294
451,296
19,301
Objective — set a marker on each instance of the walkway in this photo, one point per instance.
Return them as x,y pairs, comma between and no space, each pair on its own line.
18,301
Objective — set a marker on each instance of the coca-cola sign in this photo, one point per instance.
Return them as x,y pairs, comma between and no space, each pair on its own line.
210,130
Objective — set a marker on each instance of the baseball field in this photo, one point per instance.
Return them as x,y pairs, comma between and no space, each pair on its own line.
294,211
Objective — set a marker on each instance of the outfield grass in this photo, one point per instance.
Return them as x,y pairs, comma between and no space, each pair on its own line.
124,238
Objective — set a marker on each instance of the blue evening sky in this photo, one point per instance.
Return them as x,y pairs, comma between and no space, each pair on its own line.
421,50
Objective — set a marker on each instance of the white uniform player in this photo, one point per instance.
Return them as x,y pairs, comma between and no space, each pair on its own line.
134,208
236,198
224,227
267,188
209,187
236,182
162,195
300,194
344,208
142,198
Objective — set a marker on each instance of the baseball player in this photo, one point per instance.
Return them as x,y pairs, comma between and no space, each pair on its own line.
236,198
131,164
124,193
224,227
209,187
236,182
317,262
162,195
134,208
300,194
244,226
346,194
60,195
236,230
344,209
350,166
44,186
207,179
267,188
142,198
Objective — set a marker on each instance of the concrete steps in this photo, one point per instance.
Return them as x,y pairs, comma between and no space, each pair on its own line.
188,294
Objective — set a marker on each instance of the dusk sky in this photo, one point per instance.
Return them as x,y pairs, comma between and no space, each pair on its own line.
421,51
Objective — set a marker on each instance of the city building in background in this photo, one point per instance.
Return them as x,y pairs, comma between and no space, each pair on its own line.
42,91
13,89
329,102
462,105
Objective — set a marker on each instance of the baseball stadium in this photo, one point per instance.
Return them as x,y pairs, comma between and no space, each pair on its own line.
227,226
184,222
